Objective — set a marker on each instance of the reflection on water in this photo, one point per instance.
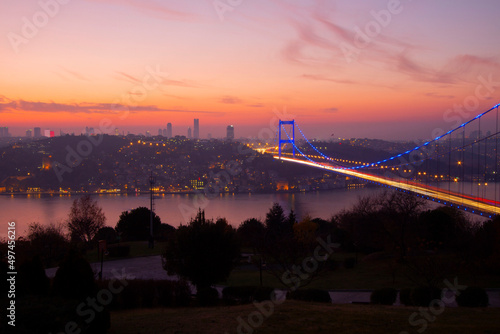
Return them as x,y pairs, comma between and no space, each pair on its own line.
176,209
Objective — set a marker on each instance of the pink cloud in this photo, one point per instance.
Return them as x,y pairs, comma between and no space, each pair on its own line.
153,8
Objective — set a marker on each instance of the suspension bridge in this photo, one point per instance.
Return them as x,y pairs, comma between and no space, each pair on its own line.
458,168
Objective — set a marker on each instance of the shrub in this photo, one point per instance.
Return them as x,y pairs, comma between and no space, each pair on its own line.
238,294
246,294
349,263
139,294
473,297
203,252
405,297
421,296
32,278
119,250
263,293
150,293
174,293
310,295
74,279
4,269
48,242
134,225
107,233
52,314
332,264
207,296
385,296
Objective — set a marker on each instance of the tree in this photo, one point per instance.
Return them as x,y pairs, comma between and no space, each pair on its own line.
277,225
203,252
251,233
74,278
401,211
135,224
106,233
85,219
47,242
285,253
305,231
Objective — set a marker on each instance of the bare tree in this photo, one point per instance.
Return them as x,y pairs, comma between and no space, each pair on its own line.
401,211
85,219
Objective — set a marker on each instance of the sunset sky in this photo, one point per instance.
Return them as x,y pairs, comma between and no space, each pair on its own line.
380,69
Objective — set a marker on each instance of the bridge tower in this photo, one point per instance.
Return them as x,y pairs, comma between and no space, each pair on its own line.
288,140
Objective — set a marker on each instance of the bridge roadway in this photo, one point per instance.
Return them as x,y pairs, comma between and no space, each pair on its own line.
480,206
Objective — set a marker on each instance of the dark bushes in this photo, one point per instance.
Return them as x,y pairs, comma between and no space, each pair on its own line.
310,295
473,297
119,250
405,296
73,286
349,263
74,279
150,293
246,294
53,314
385,296
207,296
106,233
421,296
32,278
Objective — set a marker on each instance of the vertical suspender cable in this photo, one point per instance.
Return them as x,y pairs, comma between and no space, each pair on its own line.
479,158
496,162
462,166
449,170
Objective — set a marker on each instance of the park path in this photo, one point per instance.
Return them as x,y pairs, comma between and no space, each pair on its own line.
147,267
150,267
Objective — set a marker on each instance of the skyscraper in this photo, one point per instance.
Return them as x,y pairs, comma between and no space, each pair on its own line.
230,132
37,132
160,132
4,132
196,134
29,133
189,133
169,130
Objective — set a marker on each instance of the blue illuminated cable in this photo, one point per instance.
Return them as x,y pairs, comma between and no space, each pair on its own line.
323,155
396,156
427,143
302,153
314,147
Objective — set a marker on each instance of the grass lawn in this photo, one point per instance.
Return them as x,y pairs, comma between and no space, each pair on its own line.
301,317
137,249
370,274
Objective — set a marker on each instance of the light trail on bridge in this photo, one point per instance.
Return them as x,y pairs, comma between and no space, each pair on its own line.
475,205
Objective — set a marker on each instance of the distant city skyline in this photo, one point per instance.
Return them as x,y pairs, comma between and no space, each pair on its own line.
345,68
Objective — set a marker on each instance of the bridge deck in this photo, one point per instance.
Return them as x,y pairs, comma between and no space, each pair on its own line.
480,206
